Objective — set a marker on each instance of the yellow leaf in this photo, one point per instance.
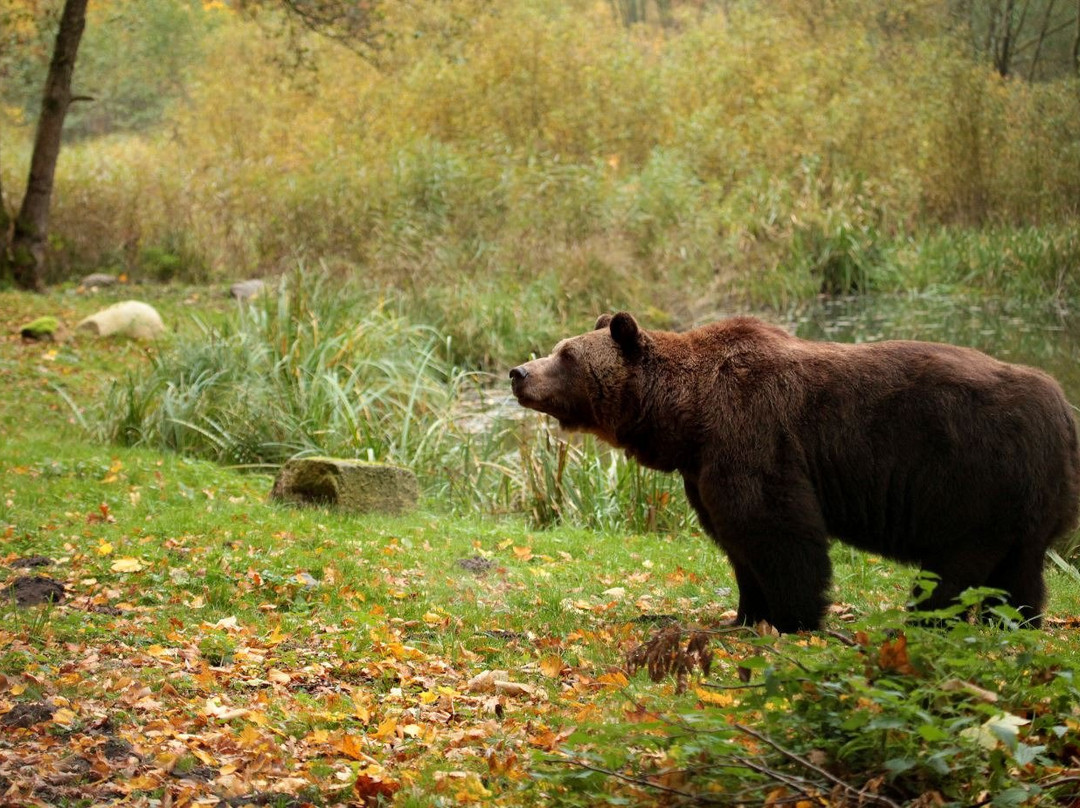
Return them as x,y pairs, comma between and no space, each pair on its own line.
127,565
256,717
471,789
206,757
142,782
718,698
551,666
523,553
64,717
613,679
386,729
427,697
104,548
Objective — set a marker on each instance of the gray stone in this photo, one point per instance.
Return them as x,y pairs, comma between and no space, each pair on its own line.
245,290
351,485
99,280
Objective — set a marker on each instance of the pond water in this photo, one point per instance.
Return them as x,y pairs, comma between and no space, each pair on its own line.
1040,336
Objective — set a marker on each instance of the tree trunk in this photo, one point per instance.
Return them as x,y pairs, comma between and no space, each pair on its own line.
32,221
1076,42
5,227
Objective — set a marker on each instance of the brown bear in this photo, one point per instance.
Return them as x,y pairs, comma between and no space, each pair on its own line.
926,453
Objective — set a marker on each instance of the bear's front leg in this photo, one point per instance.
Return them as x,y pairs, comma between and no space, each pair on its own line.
793,574
753,607
774,535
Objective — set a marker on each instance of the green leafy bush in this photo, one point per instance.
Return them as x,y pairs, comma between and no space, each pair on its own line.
959,716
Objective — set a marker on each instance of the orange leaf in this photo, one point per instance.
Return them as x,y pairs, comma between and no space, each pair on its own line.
352,746
551,666
613,679
893,656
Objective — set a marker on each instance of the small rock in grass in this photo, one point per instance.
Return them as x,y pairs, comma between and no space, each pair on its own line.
132,318
245,290
351,485
99,280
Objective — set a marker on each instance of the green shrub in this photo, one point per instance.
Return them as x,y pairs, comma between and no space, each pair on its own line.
963,715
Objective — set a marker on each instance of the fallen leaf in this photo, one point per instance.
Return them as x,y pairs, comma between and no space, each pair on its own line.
386,729
64,717
551,666
127,565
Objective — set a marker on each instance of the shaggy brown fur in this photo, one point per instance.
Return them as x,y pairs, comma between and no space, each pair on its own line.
926,453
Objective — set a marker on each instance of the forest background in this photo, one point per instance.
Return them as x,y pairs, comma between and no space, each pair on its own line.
548,160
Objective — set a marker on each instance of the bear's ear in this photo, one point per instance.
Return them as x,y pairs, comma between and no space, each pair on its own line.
626,333
602,322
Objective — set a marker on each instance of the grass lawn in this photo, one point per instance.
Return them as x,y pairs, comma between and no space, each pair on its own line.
213,648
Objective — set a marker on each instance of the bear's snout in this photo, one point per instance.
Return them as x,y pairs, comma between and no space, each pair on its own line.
517,379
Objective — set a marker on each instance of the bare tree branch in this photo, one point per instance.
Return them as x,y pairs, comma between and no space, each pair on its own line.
816,769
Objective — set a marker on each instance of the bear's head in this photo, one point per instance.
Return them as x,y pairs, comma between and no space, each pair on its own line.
589,382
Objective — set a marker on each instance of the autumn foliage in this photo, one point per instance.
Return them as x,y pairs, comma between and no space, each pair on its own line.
769,150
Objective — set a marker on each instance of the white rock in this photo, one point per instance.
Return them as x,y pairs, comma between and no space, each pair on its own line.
131,318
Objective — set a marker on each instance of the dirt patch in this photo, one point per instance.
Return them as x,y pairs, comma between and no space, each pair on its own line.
118,749
476,564
30,562
32,590
24,716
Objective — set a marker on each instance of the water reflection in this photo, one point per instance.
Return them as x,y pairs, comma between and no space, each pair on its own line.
1043,337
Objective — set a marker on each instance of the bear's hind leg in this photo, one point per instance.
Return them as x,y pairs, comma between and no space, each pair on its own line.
1020,574
955,574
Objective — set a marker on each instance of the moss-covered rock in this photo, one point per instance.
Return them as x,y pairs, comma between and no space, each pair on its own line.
351,485
43,328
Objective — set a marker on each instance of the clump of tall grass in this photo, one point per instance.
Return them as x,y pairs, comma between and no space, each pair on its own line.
315,368
308,369
580,482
